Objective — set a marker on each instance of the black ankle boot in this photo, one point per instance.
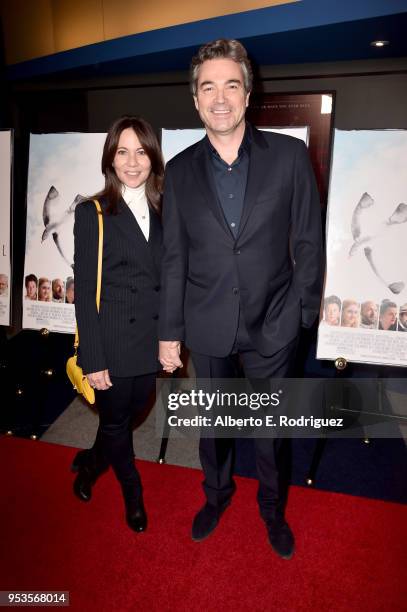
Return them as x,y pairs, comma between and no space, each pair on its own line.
82,458
87,474
136,516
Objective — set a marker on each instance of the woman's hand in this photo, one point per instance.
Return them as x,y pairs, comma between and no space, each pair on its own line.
169,355
99,380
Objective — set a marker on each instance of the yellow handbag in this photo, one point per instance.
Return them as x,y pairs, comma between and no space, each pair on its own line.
75,374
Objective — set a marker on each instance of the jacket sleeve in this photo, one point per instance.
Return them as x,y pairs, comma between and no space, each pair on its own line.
86,240
306,237
174,266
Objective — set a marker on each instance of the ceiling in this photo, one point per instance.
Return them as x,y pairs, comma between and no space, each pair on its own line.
308,31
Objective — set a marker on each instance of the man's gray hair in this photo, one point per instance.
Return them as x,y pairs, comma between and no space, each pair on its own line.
222,49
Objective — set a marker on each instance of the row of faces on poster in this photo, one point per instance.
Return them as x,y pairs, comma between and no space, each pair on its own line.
3,285
387,316
45,289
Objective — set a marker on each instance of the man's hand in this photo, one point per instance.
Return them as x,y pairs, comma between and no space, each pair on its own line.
168,355
100,380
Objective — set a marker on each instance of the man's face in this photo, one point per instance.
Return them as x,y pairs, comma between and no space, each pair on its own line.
332,314
389,317
403,318
221,99
31,289
369,313
44,292
3,284
57,289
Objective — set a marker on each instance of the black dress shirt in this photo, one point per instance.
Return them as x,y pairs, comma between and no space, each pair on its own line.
230,181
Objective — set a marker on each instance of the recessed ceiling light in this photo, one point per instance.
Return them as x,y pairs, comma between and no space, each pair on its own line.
379,43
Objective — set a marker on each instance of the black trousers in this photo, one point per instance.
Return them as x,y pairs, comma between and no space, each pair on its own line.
118,407
273,456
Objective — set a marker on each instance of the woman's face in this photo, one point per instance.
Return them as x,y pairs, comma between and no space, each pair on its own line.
44,292
131,163
350,315
332,314
70,294
32,290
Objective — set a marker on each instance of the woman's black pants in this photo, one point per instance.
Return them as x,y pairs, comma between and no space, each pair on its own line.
118,407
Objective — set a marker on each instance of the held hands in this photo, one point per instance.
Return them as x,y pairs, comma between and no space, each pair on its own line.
169,352
100,380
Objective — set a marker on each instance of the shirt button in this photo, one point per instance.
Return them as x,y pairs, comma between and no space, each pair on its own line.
233,225
132,320
235,290
237,251
155,317
231,196
229,169
133,289
157,288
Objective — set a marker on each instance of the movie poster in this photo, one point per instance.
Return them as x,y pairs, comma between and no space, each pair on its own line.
5,226
63,170
175,141
364,311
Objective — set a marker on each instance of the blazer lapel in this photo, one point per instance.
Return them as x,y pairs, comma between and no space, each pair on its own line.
205,182
127,225
259,173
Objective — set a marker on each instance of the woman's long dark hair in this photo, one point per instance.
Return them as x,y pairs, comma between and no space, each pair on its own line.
148,140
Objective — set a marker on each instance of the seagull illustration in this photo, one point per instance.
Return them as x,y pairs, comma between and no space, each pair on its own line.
366,226
55,220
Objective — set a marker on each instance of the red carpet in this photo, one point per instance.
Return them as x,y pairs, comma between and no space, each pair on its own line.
351,552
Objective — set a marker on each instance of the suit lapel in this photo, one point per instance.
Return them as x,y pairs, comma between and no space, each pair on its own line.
259,173
155,239
201,165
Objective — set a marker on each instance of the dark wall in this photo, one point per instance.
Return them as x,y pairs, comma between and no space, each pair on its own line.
369,95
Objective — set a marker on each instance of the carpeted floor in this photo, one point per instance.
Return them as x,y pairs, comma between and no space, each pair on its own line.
351,552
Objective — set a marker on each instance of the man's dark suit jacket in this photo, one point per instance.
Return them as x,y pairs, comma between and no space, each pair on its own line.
123,336
273,270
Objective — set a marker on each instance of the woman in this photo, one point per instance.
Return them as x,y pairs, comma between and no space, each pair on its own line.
350,313
118,345
70,290
44,289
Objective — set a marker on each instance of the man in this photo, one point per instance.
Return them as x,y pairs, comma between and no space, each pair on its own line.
3,285
368,315
58,290
31,282
242,264
388,315
402,326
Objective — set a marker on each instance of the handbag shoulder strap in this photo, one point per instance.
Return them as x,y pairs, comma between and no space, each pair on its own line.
99,271
100,254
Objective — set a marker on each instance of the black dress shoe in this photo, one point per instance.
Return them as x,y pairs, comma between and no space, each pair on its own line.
136,516
281,538
207,520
